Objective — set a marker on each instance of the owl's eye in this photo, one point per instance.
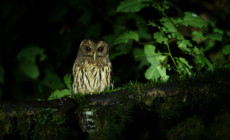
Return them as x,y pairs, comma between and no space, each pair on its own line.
100,49
88,49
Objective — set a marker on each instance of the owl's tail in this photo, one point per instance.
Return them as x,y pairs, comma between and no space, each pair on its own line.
87,120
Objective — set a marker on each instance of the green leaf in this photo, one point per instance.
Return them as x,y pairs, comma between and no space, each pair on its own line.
161,5
29,54
156,70
30,70
183,66
2,73
27,60
183,45
67,80
139,55
152,24
197,34
159,37
194,20
228,33
214,36
119,50
204,61
132,5
226,49
125,37
57,94
168,25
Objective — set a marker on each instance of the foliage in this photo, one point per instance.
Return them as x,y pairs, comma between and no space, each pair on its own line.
148,39
27,60
157,50
57,94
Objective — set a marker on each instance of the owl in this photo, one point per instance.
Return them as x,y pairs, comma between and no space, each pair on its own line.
92,68
91,73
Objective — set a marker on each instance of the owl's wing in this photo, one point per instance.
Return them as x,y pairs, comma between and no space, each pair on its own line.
71,81
112,81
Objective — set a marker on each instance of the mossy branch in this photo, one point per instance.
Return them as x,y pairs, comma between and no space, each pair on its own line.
116,109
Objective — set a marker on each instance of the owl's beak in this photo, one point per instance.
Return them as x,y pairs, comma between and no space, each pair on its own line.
94,55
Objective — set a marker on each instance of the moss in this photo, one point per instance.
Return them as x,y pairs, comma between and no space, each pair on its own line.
189,129
24,123
6,125
49,125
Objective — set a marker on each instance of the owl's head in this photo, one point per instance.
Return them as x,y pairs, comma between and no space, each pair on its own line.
94,49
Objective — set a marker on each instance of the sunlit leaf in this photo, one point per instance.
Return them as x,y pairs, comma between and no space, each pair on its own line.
156,71
2,74
198,35
183,66
67,80
194,20
169,26
57,94
184,44
132,5
125,37
159,37
204,61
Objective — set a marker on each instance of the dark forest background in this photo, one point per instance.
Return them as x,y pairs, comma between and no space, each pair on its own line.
39,40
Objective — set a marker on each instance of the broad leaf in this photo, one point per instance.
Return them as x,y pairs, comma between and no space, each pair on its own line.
139,55
57,94
119,50
125,37
132,5
159,37
29,69
169,26
193,20
204,61
156,70
27,60
226,49
67,80
30,54
214,36
184,44
183,66
198,35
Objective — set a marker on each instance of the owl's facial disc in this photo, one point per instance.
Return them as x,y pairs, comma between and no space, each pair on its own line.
94,50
